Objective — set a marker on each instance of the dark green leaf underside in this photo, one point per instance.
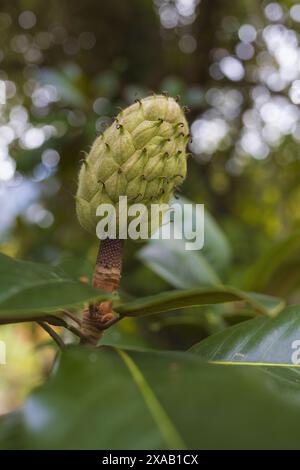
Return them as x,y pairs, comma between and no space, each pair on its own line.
175,300
32,288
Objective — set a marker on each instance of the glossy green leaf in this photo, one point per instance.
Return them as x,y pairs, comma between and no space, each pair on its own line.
176,300
33,288
112,399
187,269
260,340
181,269
76,268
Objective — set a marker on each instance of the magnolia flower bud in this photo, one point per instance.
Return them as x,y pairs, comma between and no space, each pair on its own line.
142,155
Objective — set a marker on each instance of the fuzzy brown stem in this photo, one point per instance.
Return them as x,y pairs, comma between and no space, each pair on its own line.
107,277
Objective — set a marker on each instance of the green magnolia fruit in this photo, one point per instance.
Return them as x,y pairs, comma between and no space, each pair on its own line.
142,155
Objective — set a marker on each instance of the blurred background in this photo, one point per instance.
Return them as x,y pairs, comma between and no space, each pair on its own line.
67,66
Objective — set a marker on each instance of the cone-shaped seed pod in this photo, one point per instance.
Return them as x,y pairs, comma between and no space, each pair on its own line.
142,155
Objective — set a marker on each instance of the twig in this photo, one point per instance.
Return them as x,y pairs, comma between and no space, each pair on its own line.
75,331
47,320
73,317
71,328
52,333
108,324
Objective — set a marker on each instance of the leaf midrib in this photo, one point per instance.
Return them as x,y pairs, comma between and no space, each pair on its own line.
157,411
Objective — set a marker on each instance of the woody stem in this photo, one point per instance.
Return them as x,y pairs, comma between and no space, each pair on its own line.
107,277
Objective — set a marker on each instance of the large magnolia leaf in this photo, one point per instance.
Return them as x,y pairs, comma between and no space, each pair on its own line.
187,269
261,340
181,269
77,268
175,300
112,399
33,288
